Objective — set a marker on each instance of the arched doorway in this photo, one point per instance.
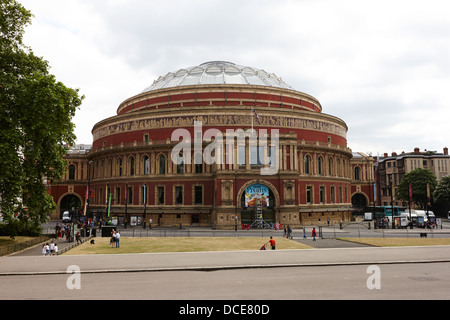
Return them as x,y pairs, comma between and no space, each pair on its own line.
359,202
257,203
69,202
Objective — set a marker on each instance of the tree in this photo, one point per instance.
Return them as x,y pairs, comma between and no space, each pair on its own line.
36,114
442,196
418,178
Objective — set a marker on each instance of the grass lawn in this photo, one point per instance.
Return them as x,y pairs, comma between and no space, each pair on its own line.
180,244
400,242
6,240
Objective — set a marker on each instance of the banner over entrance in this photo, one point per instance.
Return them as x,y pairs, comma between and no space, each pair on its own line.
257,195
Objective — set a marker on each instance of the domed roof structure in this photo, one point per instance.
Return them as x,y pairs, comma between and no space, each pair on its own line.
217,72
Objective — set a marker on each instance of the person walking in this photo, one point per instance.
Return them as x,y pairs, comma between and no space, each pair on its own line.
272,243
78,237
289,232
314,234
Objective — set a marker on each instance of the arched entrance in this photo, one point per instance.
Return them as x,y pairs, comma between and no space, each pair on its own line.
258,205
359,202
69,202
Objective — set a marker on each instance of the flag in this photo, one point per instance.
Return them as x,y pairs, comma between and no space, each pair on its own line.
254,112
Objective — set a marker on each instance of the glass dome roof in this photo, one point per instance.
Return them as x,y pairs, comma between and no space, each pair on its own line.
217,72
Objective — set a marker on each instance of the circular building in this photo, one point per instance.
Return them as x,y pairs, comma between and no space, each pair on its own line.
220,145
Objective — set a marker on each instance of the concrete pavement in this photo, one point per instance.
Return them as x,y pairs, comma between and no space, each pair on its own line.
209,261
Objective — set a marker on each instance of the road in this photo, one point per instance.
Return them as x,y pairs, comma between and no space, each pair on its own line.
411,281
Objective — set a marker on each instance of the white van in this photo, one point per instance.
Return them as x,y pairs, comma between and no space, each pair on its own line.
66,217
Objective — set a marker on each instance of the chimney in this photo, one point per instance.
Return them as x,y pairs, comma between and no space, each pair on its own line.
416,150
446,151
385,155
394,154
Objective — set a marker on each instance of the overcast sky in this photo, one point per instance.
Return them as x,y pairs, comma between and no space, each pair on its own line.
381,66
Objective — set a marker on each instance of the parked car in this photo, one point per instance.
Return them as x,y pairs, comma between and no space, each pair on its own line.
66,217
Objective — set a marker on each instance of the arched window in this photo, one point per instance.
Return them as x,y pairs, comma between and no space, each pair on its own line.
330,166
357,173
307,164
320,165
146,165
119,166
72,172
180,164
131,166
162,164
110,167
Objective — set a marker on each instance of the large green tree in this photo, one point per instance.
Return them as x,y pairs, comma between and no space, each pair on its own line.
418,178
36,114
442,196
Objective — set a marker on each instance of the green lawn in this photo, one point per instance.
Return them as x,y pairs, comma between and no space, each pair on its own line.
180,244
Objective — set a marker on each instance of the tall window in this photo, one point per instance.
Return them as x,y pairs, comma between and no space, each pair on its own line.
333,195
162,164
110,167
120,166
307,164
117,195
130,195
320,165
308,194
131,166
72,172
357,175
180,164
160,195
178,195
322,194
198,195
330,166
146,165
198,161
241,155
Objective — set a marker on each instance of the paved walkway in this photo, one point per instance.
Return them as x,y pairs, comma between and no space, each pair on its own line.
222,260
63,245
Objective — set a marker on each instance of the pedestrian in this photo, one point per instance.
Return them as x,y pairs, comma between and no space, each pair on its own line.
78,237
314,234
272,243
284,232
52,247
117,239
47,249
112,240
56,249
43,250
289,231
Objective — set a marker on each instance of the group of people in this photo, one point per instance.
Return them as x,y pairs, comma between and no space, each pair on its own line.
63,231
115,239
50,249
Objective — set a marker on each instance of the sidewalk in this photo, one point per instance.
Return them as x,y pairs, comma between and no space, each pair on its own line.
63,246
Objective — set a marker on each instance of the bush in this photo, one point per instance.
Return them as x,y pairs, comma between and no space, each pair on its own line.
20,228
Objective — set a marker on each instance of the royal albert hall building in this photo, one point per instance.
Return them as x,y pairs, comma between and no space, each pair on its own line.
134,179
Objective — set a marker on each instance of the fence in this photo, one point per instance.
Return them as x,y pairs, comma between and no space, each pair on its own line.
10,248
